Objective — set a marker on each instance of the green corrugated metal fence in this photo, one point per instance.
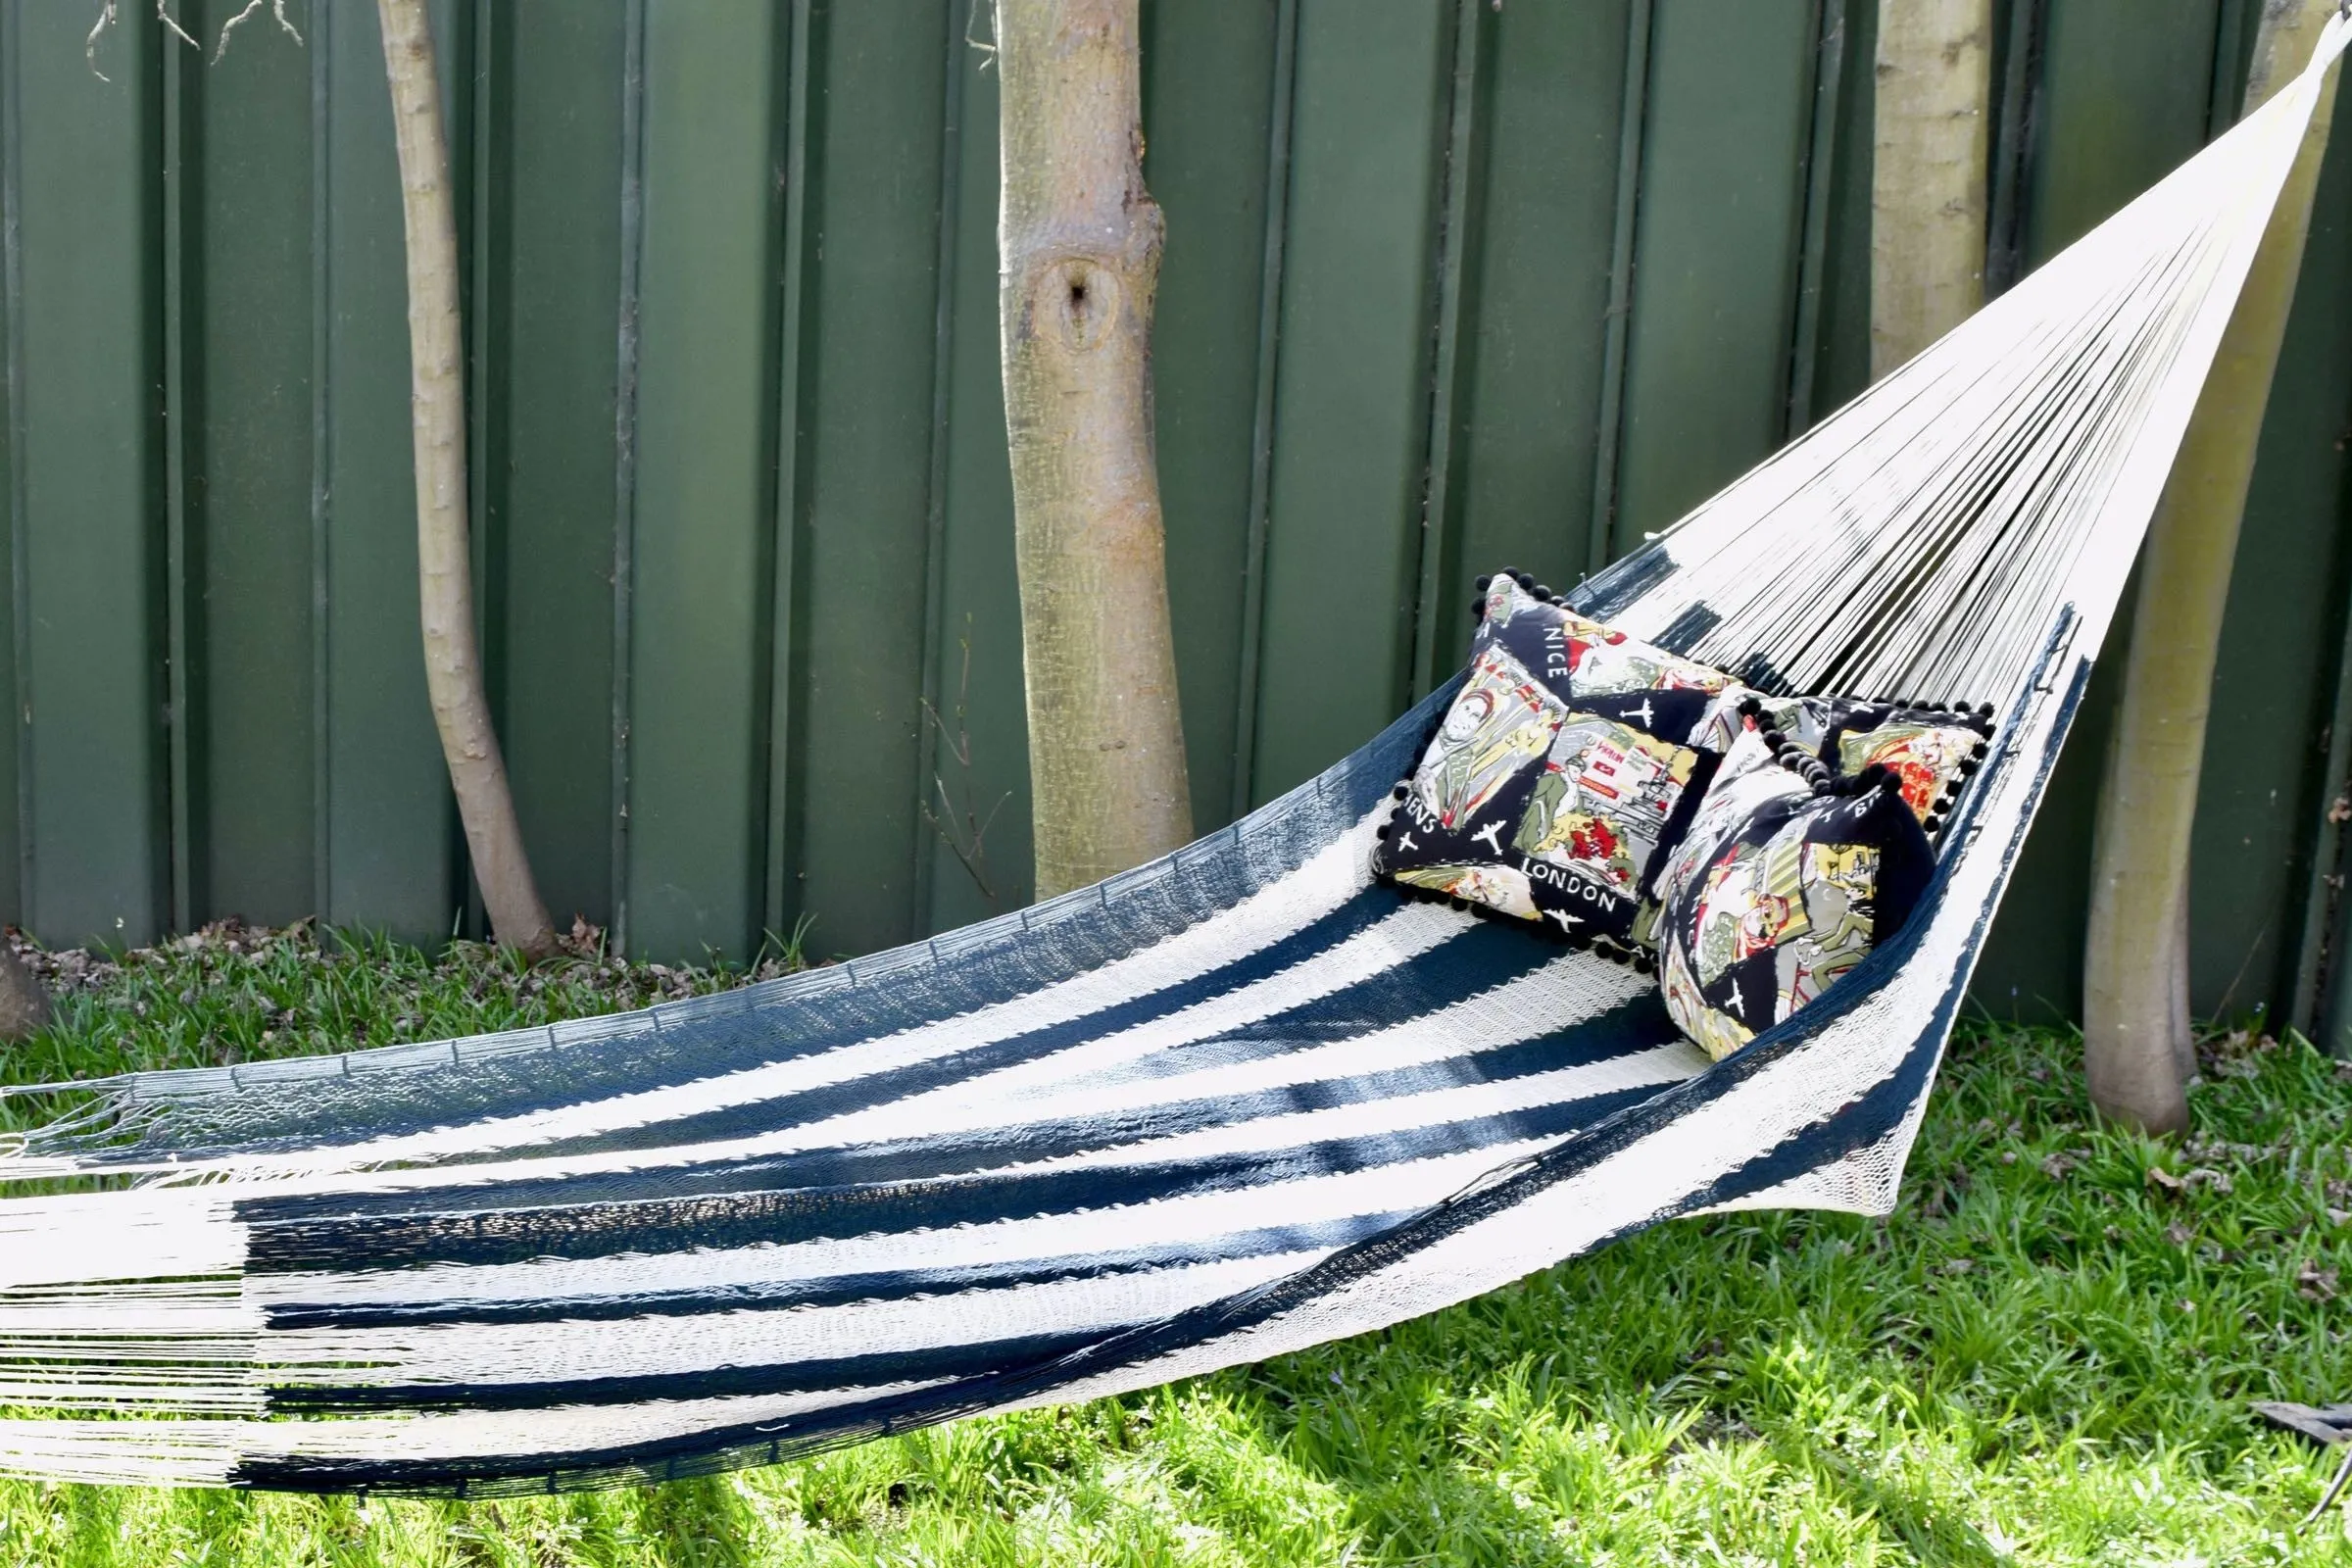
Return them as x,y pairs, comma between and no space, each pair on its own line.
1449,283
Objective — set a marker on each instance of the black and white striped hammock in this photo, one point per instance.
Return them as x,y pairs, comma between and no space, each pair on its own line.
1229,1104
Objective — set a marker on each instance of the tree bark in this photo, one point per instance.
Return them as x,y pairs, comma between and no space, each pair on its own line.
24,1000
1931,148
453,666
1079,240
2136,1046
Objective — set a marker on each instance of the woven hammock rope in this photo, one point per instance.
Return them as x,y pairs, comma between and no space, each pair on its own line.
1230,1104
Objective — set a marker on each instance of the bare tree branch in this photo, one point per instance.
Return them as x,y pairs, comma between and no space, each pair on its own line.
109,13
90,45
277,8
163,14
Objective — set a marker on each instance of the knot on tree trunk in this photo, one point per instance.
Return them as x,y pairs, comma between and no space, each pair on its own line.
1087,300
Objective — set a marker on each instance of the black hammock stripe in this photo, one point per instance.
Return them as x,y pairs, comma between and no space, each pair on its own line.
1476,958
834,1289
1634,1026
725,1222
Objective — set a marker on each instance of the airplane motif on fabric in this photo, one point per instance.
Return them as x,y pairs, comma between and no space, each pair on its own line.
1737,1006
1568,922
1648,717
1405,841
1491,835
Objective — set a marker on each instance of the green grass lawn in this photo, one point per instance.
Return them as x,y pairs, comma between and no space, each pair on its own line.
2043,1357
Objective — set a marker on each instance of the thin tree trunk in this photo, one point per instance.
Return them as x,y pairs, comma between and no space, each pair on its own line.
453,666
1079,241
2136,1047
1931,146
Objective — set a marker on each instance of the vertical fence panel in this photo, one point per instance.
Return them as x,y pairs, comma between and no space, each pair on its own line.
2127,93
247,242
13,796
550,480
1537,298
705,480
1715,261
853,794
1446,285
979,608
1209,103
1351,399
1840,353
87,358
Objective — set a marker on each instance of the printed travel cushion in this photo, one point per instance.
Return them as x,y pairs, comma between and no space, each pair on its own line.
1930,748
1931,751
1806,721
1576,658
1545,809
1784,879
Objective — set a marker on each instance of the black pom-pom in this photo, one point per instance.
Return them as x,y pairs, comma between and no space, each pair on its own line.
1481,583
1775,739
1643,963
1380,832
1526,582
1933,825
1985,710
1478,608
1542,591
1970,765
1749,707
1886,781
1403,788
1980,749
